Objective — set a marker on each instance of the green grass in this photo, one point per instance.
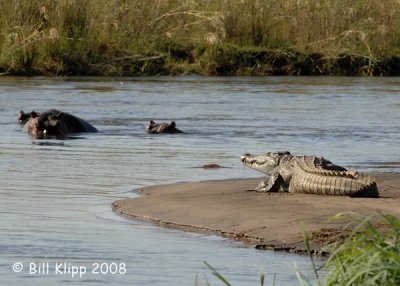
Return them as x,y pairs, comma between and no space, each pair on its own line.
221,278
225,37
370,255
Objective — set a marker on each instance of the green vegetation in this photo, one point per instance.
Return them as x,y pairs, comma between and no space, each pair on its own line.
213,37
224,281
370,254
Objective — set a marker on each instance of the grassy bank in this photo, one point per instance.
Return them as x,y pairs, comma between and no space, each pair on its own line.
368,253
226,37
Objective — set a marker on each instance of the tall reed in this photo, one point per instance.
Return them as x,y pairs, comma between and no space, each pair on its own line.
96,36
371,255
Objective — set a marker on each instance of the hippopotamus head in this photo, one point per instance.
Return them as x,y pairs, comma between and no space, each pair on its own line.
158,128
55,123
23,117
45,124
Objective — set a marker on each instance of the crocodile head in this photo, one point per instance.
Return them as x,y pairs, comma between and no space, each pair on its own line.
265,163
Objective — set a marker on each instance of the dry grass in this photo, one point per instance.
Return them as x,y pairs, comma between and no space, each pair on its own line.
91,36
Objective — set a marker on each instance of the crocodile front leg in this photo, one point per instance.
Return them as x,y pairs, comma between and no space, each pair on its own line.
274,184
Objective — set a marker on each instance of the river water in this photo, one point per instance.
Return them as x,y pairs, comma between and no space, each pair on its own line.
56,195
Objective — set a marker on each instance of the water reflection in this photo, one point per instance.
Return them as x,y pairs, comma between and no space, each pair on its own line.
48,143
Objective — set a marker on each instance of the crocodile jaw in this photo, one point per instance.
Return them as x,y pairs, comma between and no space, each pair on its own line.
264,163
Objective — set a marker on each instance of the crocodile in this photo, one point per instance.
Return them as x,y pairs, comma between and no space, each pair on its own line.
308,174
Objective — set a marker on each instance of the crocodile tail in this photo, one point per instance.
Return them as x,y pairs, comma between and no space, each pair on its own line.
310,165
368,189
329,182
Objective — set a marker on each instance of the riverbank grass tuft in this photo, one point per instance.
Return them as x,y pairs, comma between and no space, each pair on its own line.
369,255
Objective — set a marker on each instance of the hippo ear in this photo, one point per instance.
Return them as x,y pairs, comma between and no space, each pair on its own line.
33,114
152,122
173,124
60,116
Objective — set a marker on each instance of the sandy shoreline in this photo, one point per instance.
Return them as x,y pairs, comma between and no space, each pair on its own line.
266,220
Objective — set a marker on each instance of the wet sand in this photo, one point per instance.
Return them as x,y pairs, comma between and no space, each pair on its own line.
266,220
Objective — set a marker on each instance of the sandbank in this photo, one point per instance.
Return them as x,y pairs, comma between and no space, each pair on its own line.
265,220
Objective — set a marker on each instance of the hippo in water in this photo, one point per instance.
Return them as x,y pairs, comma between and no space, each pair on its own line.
55,123
158,128
24,117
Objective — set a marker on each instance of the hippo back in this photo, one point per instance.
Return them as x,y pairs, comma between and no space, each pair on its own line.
73,124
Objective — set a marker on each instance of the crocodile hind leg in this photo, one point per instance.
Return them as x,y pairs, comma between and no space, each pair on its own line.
334,167
274,184
328,165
